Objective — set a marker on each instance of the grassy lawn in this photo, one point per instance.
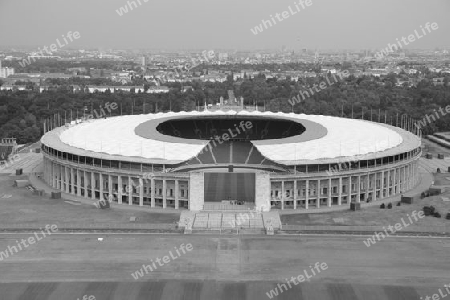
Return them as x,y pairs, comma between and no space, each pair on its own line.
376,216
25,208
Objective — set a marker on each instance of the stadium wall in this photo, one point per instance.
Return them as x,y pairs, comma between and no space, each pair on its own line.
185,190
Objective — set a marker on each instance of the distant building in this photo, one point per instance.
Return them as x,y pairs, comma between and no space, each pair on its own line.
10,87
5,72
158,90
186,88
223,56
112,89
7,87
438,81
43,88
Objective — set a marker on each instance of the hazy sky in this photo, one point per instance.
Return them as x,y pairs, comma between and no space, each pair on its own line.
213,24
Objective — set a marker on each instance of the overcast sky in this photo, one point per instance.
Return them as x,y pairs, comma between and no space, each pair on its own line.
215,24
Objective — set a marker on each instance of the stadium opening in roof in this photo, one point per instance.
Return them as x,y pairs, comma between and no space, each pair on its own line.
224,158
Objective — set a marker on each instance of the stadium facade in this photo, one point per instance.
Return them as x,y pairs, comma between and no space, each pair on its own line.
212,159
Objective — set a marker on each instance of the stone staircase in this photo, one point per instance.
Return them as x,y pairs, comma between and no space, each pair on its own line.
244,222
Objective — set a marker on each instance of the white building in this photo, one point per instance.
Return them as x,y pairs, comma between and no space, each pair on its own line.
112,89
5,72
158,89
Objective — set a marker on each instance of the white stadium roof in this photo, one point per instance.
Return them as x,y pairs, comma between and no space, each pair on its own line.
117,136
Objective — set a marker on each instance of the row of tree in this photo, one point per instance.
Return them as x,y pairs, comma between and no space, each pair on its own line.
23,113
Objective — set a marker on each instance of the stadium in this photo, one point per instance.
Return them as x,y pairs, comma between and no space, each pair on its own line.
235,158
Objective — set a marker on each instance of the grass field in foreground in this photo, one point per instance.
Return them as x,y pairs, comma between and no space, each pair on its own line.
373,216
24,208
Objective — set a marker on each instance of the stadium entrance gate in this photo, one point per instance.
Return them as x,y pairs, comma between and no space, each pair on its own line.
230,188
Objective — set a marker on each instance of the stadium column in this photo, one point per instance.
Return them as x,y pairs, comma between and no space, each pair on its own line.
408,177
51,170
66,177
329,192
404,188
394,182
318,193
110,185
53,175
78,183
141,192
164,193
152,192
93,185
411,176
367,187
85,184
388,183
382,185
283,193
416,173
358,190
56,177
340,191
60,174
47,169
100,176
119,189
72,181
374,187
401,181
176,194
295,194
130,190
349,190
307,194
59,183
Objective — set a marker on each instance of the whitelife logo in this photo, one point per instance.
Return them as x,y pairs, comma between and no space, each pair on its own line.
398,226
411,38
318,266
428,119
124,9
53,48
225,137
323,85
438,296
166,259
31,240
280,17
